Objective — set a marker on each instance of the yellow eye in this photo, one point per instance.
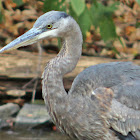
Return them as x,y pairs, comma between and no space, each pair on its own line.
49,26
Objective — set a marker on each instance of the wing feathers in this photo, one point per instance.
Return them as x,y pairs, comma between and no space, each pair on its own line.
124,119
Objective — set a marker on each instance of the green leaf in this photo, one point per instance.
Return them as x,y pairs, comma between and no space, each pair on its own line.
94,2
18,2
59,43
138,1
72,13
58,5
102,17
107,29
119,38
98,11
137,24
84,22
78,6
1,17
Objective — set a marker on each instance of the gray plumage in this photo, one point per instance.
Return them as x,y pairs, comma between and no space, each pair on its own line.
104,100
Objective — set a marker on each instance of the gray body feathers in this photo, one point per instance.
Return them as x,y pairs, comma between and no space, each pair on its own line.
124,80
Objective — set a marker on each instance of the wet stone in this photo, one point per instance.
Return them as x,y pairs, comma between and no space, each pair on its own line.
4,124
32,115
8,110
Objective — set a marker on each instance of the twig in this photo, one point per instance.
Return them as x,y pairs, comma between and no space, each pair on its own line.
27,84
38,71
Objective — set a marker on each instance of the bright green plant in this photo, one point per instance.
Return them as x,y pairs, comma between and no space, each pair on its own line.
138,1
18,2
102,17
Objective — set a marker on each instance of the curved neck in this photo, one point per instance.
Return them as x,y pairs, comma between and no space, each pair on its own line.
63,63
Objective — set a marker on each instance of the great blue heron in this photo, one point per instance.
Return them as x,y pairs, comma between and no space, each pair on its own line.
104,100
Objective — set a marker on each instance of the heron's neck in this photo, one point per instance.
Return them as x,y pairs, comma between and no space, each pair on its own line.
65,62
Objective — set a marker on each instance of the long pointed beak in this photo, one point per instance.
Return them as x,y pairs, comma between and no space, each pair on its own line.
28,38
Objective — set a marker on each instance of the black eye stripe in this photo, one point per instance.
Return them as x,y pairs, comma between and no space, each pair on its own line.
64,15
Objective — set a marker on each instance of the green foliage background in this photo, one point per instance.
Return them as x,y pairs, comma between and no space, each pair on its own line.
88,13
97,15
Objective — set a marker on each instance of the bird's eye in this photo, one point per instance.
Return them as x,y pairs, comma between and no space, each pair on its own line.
49,26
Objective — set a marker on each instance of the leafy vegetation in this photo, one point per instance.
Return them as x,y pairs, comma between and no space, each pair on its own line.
18,2
110,28
138,1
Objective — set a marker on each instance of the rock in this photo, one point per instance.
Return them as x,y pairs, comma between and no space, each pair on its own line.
4,124
32,115
8,110
16,93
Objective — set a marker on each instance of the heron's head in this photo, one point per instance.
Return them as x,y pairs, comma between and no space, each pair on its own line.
51,24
